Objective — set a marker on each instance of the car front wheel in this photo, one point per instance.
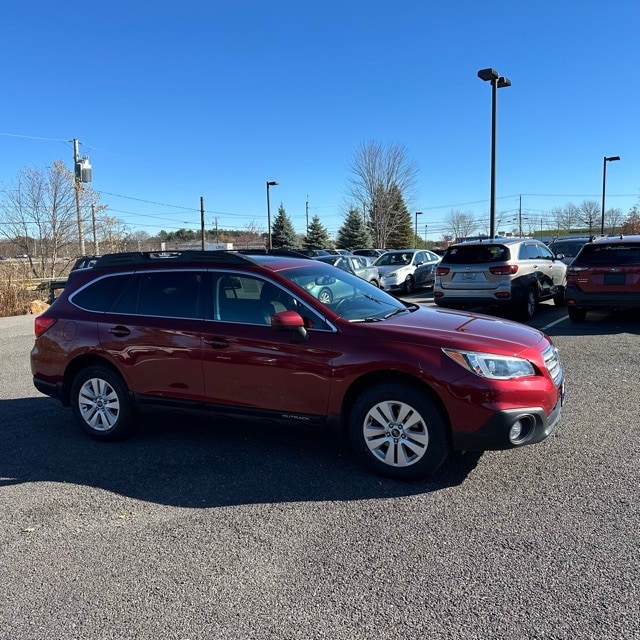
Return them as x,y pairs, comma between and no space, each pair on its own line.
409,285
398,431
100,403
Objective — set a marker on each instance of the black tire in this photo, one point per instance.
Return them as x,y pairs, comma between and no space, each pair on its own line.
577,314
409,285
375,283
100,403
559,301
325,296
398,431
526,308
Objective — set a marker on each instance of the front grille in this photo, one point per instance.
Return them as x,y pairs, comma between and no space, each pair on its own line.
552,362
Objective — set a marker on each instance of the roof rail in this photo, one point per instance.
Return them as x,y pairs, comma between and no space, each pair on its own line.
282,253
145,257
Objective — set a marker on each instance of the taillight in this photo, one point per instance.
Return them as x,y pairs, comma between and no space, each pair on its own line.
504,270
442,271
41,324
574,271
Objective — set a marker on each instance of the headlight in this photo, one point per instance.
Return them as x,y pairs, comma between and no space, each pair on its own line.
393,274
489,365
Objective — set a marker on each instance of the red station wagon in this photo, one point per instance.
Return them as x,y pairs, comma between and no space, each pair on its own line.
248,335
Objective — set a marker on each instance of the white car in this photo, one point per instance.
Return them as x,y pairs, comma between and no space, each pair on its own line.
405,270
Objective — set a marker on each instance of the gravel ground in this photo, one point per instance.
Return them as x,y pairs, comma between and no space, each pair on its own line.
218,528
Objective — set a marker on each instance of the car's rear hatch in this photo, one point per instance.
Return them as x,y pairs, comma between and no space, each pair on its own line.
473,267
602,267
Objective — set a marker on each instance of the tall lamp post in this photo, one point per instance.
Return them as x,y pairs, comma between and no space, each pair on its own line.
425,235
497,82
269,184
604,184
418,213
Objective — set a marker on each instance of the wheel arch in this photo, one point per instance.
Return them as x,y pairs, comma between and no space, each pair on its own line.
77,365
384,377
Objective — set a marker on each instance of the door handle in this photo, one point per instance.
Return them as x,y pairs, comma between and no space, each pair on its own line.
217,343
119,331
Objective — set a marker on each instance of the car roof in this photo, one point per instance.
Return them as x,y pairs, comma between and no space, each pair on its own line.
489,241
616,239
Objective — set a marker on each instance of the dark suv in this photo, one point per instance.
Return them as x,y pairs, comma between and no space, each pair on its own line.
604,275
516,273
248,334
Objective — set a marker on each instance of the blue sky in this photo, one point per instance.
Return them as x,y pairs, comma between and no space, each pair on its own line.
174,101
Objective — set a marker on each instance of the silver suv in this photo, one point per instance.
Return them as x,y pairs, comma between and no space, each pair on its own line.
508,272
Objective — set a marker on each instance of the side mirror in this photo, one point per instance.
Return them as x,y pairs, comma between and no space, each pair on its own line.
290,321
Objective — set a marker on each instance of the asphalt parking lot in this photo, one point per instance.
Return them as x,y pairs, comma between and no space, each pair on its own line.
211,528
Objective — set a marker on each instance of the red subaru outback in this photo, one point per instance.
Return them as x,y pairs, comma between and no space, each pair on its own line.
249,335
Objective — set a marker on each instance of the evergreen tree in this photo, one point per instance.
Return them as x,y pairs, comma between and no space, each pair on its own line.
402,234
283,235
318,237
353,233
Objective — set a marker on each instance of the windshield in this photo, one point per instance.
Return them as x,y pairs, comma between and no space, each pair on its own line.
393,258
568,249
348,296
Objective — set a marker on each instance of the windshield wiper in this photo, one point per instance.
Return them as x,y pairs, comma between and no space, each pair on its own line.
396,311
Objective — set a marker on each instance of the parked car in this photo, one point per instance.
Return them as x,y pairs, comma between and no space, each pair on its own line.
405,270
516,273
567,248
313,253
604,275
244,335
358,265
369,253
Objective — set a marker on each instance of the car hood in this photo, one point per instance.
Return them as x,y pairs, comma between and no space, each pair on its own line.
460,329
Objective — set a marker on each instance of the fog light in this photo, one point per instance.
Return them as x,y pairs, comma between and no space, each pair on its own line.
522,429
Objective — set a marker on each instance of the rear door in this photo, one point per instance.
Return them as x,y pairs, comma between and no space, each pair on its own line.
153,332
470,267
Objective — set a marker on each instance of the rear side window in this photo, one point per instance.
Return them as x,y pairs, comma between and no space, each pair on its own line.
476,254
606,254
171,294
101,294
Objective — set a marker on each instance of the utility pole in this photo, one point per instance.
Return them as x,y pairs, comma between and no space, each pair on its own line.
82,170
307,212
202,220
520,217
78,187
96,249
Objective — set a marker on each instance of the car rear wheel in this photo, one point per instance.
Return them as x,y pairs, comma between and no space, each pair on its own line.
375,283
409,285
398,431
576,314
527,307
100,403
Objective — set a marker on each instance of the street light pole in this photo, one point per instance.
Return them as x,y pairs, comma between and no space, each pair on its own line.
604,183
497,82
418,213
425,235
269,184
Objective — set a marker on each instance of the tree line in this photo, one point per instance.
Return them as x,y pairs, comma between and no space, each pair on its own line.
39,216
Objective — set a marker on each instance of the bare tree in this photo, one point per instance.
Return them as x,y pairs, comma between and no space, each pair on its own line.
460,224
613,220
38,213
589,214
379,173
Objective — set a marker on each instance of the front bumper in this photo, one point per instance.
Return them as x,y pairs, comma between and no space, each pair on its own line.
494,434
